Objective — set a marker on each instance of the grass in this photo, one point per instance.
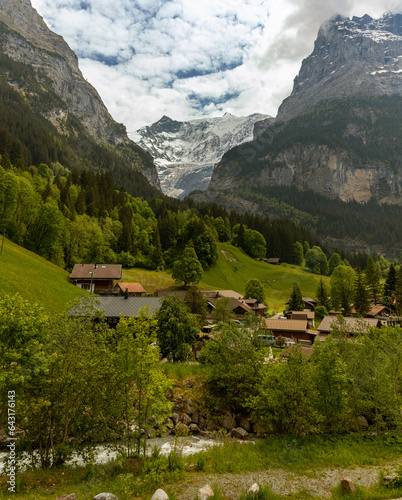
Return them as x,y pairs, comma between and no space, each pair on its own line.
35,279
138,479
234,268
231,272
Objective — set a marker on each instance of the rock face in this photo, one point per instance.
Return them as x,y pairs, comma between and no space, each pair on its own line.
330,134
185,152
358,56
25,38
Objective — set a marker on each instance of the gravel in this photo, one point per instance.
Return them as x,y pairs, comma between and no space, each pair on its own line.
318,482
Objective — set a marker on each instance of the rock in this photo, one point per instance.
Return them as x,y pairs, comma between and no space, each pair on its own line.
181,429
105,496
202,422
348,486
195,417
189,406
362,422
211,426
388,480
194,429
245,423
239,433
186,419
253,490
169,423
205,493
71,496
159,495
176,418
188,383
228,422
205,434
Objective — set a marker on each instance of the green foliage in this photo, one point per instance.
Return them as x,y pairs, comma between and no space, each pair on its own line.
295,301
361,294
316,261
322,295
320,312
342,281
255,290
254,244
196,303
177,329
223,311
188,269
233,365
373,276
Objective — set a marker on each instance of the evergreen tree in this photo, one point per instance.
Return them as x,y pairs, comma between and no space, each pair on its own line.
361,294
342,280
296,301
196,303
398,292
373,276
388,295
322,295
157,254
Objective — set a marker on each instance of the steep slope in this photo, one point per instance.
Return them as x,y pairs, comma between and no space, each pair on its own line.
351,57
79,112
185,152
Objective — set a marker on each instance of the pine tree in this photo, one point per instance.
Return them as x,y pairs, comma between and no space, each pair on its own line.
389,287
373,275
398,292
322,295
361,294
296,300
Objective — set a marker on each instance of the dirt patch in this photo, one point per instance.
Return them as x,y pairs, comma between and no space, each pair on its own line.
228,257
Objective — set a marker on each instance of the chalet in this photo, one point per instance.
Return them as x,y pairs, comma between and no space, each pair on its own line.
352,325
273,260
379,311
95,277
309,304
296,329
116,307
304,315
132,289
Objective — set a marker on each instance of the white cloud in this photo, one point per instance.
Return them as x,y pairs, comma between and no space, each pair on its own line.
187,59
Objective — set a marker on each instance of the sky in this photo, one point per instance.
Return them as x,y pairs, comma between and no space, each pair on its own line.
191,59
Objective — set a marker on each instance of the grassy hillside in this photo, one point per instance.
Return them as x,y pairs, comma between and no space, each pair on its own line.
35,279
232,271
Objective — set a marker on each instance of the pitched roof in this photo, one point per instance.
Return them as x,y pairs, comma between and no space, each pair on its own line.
131,287
377,309
358,325
116,306
222,293
100,271
300,314
295,325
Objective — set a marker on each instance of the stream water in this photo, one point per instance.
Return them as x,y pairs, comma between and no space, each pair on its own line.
105,453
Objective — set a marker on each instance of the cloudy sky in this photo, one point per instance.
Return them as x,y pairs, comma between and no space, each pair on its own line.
188,58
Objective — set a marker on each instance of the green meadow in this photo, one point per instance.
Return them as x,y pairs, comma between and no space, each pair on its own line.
35,279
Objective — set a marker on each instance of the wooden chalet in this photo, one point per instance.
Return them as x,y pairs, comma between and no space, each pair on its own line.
304,315
296,329
131,289
352,325
96,277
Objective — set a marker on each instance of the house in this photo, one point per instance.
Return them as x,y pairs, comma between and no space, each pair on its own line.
352,326
309,304
116,307
132,289
296,329
379,311
95,277
273,260
308,315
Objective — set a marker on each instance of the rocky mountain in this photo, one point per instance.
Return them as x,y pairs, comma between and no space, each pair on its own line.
339,132
185,152
361,56
77,109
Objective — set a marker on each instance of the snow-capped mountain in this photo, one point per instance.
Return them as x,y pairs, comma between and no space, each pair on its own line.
360,56
185,152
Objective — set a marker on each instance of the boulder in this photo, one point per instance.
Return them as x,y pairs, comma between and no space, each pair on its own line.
202,421
159,495
189,406
245,423
253,490
71,496
168,423
195,417
239,433
105,496
211,426
181,429
186,419
348,486
205,493
389,480
228,422
176,418
194,429
188,383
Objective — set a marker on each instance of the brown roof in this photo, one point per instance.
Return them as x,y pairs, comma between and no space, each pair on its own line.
358,325
286,324
100,271
222,293
131,287
376,310
307,314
